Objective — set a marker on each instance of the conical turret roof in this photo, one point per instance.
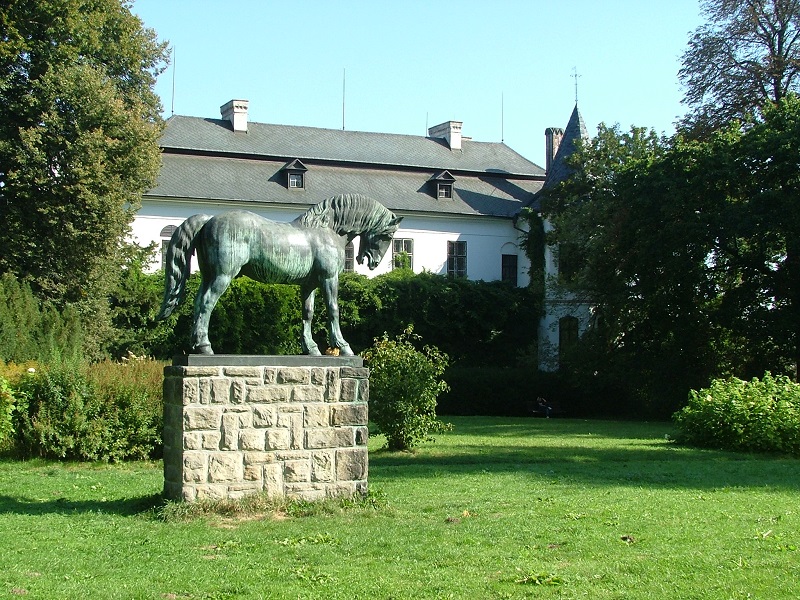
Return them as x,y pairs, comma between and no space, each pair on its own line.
574,132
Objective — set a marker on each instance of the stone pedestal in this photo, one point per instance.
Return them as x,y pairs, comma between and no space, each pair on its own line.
289,426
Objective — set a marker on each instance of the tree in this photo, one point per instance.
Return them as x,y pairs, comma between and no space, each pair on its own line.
640,232
748,53
691,254
768,249
79,129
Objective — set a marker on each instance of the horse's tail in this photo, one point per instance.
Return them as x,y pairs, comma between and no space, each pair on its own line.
178,263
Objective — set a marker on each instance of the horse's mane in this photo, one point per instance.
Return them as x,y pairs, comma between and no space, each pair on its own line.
347,214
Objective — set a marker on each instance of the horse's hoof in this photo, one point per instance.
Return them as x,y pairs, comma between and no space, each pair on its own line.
345,350
204,349
314,352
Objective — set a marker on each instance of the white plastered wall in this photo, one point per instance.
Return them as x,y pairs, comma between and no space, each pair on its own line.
487,238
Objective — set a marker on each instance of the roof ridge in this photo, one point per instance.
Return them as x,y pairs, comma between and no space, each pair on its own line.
331,129
207,135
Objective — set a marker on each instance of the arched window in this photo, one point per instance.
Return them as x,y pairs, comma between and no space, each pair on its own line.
166,235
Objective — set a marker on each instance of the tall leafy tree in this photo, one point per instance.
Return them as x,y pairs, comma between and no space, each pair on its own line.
769,226
79,128
631,213
746,54
691,254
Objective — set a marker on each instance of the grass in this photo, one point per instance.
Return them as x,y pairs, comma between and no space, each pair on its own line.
497,508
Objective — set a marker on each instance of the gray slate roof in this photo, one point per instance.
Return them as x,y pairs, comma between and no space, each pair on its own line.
205,160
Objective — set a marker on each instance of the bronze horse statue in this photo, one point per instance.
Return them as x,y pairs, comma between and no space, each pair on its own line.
308,251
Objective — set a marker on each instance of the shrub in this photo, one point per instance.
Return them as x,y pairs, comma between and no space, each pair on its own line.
759,415
404,385
131,394
250,318
34,330
6,411
56,417
108,411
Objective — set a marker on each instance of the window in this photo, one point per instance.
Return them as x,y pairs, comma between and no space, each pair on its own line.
295,174
508,271
567,336
166,235
349,258
443,185
403,253
457,259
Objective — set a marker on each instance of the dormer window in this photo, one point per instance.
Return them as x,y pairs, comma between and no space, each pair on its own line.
295,175
443,185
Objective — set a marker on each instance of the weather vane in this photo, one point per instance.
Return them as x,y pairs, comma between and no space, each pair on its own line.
575,75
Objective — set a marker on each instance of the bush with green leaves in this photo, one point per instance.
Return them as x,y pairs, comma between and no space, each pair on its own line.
761,415
107,411
404,385
6,411
56,416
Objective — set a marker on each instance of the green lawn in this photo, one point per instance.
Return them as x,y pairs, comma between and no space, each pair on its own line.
498,508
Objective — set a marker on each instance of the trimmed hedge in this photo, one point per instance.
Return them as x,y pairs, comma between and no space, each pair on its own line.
473,322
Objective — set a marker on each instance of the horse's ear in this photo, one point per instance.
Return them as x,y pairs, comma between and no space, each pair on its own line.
395,222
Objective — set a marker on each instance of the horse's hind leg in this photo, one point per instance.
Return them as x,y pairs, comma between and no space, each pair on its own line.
330,288
204,303
307,342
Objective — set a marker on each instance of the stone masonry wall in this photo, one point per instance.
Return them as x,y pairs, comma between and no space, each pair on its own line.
296,431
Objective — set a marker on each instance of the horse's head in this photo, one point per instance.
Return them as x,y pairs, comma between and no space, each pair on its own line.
373,244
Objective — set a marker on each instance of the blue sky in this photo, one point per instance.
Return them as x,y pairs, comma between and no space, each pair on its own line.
505,68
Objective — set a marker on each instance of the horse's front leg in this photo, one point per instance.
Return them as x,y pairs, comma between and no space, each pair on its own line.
330,288
307,342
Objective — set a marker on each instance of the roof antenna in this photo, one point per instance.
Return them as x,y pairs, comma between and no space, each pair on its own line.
344,80
575,75
174,54
502,118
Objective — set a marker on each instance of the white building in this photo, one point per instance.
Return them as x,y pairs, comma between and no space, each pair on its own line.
460,198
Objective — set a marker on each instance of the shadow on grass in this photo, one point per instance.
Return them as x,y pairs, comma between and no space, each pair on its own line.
638,456
660,468
495,427
125,507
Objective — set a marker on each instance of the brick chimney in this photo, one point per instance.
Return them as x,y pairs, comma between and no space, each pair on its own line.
449,131
235,111
552,140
